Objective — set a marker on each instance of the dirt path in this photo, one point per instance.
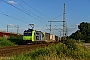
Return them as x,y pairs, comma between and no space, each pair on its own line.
87,45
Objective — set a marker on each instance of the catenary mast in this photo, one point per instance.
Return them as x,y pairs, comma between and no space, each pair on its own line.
64,22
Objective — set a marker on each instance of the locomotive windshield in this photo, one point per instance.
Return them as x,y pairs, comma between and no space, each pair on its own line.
28,32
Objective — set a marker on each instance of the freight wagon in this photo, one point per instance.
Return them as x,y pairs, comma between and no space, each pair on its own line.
7,34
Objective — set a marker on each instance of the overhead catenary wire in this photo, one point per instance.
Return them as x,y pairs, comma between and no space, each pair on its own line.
30,12
34,9
17,16
58,28
40,12
12,17
23,11
56,17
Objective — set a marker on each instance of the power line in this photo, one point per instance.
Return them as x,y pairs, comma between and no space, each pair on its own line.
40,12
51,24
56,17
64,27
23,11
30,12
35,9
33,14
12,17
19,17
58,28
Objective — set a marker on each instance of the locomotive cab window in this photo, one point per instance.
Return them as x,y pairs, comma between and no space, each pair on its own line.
27,34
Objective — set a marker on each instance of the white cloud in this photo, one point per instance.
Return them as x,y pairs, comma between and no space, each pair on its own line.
12,2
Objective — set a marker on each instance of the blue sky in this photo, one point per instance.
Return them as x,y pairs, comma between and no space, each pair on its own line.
40,12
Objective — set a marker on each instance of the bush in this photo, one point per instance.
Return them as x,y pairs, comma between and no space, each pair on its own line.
16,39
70,43
58,52
4,42
87,40
38,52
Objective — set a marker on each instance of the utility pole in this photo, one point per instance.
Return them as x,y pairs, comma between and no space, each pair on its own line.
17,26
7,28
66,30
17,29
64,23
60,35
50,28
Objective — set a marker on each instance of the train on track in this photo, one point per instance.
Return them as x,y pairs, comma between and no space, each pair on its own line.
33,36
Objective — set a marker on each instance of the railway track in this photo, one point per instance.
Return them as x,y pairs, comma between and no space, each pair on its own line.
9,51
14,50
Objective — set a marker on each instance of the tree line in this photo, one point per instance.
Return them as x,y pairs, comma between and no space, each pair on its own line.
83,32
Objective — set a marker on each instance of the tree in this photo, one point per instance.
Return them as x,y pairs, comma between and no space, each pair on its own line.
77,35
83,32
85,28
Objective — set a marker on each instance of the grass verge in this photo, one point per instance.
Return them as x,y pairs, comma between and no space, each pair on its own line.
67,51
